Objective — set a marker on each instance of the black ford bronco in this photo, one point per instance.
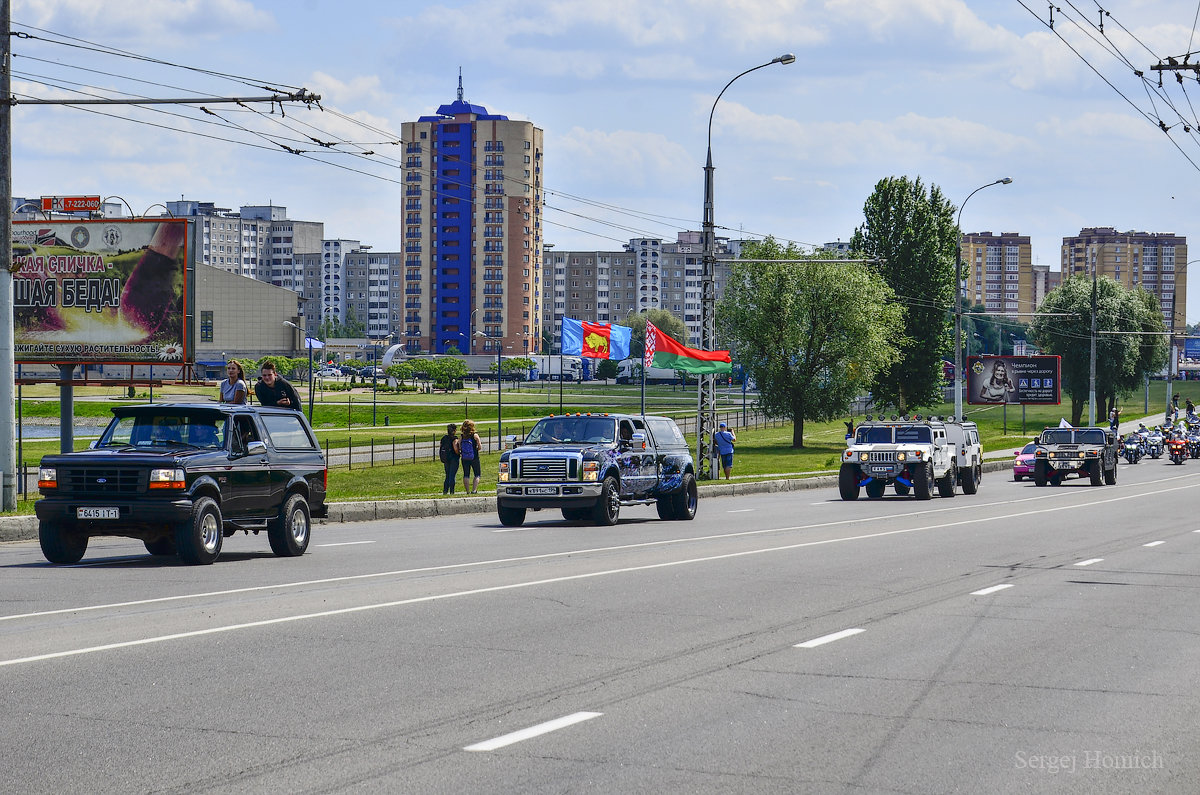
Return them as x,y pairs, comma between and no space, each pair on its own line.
589,465
181,478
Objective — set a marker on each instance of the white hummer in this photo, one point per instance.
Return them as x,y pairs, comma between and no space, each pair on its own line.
912,454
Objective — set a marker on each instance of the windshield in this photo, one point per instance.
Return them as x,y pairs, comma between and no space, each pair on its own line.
554,430
166,429
876,434
1073,436
1029,448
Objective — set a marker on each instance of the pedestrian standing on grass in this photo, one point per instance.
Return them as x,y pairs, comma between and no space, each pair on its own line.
468,446
448,454
233,388
724,440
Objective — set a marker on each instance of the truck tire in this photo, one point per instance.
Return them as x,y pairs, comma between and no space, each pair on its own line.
946,483
848,482
288,533
163,545
921,478
576,514
686,500
665,507
199,537
512,517
608,507
1039,473
875,488
969,484
902,490
61,545
1110,475
1096,472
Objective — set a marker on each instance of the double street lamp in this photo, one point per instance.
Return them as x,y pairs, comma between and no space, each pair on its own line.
959,294
499,399
707,413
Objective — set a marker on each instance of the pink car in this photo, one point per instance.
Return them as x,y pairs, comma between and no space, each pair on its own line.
1023,465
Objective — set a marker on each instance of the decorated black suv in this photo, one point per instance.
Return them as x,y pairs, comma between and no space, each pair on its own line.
589,465
182,477
1087,452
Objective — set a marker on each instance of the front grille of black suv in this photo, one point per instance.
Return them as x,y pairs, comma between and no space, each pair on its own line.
102,480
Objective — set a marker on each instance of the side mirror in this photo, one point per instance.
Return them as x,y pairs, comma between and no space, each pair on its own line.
509,442
639,440
256,448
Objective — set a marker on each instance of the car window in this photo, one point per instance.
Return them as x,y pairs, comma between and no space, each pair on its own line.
166,429
912,433
666,432
1091,436
875,434
1029,448
287,432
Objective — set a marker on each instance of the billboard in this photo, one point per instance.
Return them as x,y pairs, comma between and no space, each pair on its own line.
1189,353
109,291
1030,380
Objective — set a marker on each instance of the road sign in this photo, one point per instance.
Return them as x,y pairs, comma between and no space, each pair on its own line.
70,204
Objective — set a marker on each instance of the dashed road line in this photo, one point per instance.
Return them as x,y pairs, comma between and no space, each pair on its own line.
1154,543
821,641
1089,561
993,589
533,731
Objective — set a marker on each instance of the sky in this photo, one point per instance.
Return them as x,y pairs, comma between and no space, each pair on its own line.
958,93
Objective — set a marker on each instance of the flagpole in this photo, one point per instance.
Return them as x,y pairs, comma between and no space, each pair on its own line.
643,382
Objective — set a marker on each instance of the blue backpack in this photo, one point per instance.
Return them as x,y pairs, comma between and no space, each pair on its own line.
466,449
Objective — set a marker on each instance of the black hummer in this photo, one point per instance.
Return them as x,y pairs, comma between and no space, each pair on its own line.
182,477
589,465
1088,452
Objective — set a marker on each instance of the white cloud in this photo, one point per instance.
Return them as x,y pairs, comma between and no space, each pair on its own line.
628,157
148,22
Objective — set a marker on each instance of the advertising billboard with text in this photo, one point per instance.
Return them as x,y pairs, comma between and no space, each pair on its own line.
1189,353
1029,380
108,291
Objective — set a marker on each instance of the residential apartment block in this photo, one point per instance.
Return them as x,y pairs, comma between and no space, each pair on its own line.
472,231
998,273
1154,260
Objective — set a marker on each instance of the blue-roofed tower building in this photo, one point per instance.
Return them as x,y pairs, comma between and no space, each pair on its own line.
472,232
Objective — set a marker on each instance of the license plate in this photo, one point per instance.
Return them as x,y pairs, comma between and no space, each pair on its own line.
877,470
97,513
541,491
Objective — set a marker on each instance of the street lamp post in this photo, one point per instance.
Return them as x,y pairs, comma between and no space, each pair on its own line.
308,343
706,398
959,375
499,398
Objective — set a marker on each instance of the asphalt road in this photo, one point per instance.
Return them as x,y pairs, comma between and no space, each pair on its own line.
1022,639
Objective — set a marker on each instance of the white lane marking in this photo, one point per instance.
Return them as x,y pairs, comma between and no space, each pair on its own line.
993,589
741,510
972,522
615,548
507,530
821,641
533,731
1154,543
1089,561
346,544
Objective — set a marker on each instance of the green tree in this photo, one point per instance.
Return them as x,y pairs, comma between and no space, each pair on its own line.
670,324
1062,327
607,368
446,372
352,326
812,334
911,234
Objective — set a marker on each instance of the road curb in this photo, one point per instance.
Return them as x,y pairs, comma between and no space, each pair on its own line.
24,528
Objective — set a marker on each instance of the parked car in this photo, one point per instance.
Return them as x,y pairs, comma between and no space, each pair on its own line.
328,372
347,370
372,372
1023,463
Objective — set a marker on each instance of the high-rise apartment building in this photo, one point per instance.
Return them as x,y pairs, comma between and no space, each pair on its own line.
472,231
1153,260
998,272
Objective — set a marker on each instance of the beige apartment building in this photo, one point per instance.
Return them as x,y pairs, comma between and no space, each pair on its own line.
998,273
1156,261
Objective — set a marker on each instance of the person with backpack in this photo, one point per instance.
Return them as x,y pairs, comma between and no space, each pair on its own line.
468,447
448,455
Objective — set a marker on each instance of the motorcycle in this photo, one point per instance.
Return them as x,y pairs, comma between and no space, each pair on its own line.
1154,445
1132,448
1177,449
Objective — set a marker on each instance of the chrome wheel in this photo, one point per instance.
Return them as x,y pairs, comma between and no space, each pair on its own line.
210,532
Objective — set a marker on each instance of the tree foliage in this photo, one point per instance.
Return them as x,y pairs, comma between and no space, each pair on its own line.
1062,327
333,328
608,368
812,335
672,325
912,235
446,372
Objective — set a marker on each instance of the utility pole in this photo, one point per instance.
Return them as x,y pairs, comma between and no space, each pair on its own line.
1092,361
8,462
8,419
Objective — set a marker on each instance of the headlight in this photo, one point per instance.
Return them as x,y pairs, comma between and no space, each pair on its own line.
47,478
901,456
167,479
503,476
591,470
863,456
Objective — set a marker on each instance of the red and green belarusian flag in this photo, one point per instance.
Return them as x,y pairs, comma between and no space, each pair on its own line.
662,351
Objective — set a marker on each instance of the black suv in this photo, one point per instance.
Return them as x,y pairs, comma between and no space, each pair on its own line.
182,477
589,465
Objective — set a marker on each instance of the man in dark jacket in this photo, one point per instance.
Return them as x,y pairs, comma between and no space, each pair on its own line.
273,390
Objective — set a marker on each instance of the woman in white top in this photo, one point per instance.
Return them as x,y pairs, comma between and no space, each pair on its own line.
233,388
